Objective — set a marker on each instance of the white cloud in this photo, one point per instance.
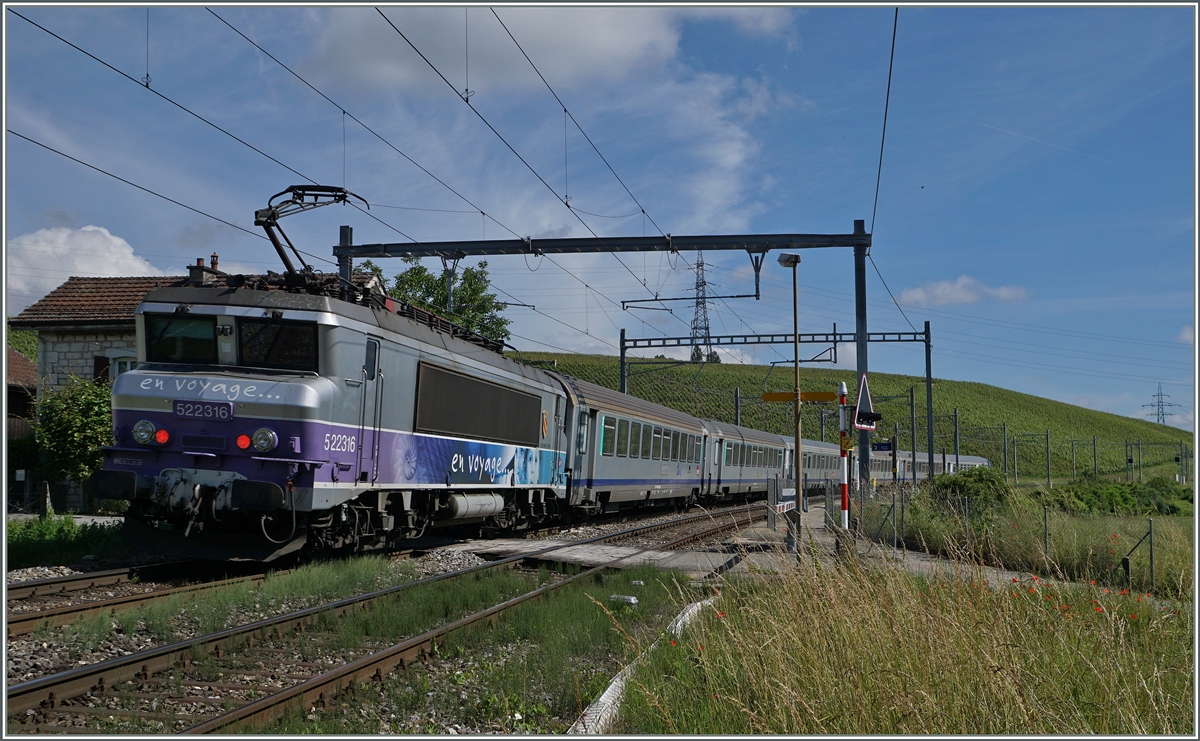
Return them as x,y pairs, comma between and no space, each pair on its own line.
965,290
570,46
1083,401
1186,335
38,263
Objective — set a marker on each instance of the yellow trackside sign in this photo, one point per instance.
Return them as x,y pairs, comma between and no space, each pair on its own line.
848,442
804,396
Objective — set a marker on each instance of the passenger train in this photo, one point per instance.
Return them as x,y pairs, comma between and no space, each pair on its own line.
279,415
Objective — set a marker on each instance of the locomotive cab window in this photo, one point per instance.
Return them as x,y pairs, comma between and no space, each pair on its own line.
181,338
272,343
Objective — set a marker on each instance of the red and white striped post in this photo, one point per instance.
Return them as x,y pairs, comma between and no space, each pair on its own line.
845,461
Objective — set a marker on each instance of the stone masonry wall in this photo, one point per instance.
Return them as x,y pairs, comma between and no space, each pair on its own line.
61,354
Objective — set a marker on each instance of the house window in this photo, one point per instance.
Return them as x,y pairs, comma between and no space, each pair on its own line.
121,365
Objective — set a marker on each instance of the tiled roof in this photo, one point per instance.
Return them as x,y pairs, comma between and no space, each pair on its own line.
93,300
21,370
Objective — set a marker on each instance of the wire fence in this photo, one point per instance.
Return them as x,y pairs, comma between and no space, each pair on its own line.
1137,553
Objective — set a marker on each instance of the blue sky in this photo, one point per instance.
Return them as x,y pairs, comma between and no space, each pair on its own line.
1036,205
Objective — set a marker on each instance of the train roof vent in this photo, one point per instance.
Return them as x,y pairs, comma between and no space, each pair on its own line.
435,322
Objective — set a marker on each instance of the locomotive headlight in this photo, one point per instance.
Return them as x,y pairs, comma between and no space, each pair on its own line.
143,432
264,440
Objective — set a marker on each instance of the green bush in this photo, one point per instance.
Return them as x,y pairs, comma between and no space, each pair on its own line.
979,484
57,540
72,424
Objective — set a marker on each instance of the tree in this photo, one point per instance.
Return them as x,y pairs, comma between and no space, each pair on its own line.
474,307
72,423
23,341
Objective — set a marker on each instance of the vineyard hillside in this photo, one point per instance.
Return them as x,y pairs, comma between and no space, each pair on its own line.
985,413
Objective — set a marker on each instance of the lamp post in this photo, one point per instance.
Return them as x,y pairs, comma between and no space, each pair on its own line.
791,260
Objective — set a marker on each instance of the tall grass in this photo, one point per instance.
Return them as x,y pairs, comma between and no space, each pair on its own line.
871,649
1013,534
56,540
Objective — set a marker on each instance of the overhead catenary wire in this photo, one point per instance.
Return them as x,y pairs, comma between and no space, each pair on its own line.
398,151
504,141
135,185
354,118
641,208
228,133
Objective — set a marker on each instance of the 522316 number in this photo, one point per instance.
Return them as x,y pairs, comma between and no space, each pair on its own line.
340,443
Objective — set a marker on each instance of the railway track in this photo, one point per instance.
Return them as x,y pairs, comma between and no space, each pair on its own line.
61,585
25,622
182,683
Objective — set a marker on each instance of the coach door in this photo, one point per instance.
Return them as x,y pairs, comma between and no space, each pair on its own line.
371,400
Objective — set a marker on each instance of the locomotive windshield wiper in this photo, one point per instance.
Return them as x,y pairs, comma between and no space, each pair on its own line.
268,218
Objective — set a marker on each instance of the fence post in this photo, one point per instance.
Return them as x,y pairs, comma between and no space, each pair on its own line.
46,507
893,518
1004,433
1046,534
1151,554
1049,482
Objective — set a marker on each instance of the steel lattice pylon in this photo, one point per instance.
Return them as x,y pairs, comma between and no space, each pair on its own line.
702,351
1160,405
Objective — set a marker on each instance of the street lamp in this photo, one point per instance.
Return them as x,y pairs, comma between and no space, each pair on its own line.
791,260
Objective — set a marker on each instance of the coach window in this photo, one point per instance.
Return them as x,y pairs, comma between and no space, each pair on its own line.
658,437
647,434
687,445
608,435
635,439
622,437
699,450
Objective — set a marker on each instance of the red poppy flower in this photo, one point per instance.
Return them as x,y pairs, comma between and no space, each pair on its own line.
1132,617
1015,580
1098,609
1032,590
1093,582
1123,592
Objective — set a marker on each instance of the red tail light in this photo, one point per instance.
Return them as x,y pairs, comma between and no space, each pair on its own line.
243,442
162,437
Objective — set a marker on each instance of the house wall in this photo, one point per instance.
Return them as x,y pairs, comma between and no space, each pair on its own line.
62,353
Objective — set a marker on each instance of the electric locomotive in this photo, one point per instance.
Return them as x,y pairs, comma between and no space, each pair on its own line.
303,413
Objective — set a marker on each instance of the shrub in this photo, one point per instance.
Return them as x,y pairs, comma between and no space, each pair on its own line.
72,424
57,540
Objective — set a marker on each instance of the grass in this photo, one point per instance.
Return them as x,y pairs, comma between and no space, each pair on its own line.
178,617
1089,529
865,649
56,540
534,671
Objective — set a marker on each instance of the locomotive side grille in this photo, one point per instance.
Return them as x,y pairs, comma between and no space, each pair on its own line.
449,403
202,442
